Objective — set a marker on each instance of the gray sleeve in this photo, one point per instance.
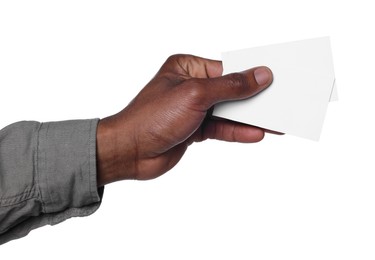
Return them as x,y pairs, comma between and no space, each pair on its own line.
47,174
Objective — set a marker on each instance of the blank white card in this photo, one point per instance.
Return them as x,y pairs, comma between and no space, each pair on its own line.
297,100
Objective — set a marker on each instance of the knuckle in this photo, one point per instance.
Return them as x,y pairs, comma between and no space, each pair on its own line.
237,80
176,58
173,57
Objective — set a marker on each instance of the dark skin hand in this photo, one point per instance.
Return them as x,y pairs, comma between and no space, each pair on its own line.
149,136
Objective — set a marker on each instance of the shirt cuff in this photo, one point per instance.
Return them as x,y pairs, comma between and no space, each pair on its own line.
62,177
66,163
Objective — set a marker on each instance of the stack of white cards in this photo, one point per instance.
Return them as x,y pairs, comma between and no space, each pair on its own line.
297,100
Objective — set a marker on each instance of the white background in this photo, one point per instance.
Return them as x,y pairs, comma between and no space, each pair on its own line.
282,198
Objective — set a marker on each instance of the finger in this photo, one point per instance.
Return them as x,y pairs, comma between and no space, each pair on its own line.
264,129
232,132
193,66
233,86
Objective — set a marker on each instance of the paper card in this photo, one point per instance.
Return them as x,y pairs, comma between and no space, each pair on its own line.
297,100
334,94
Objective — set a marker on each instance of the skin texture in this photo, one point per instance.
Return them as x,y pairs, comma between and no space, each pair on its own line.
149,136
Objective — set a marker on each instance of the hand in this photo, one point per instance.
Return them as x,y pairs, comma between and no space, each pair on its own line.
152,133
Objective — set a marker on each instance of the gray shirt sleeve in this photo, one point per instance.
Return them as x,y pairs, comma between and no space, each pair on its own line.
47,174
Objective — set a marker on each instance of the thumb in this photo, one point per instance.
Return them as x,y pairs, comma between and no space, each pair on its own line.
237,86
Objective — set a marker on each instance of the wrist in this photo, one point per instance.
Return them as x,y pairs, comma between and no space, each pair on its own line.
113,156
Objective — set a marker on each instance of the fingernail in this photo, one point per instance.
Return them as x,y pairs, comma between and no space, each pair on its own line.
262,75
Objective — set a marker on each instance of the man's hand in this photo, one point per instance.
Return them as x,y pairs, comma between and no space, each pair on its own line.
151,134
